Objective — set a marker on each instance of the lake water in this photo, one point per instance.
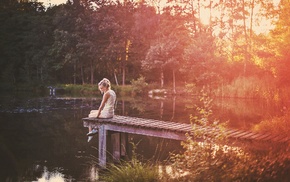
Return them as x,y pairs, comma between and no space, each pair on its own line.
42,138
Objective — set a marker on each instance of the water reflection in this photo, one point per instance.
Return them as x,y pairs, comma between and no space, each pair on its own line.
54,176
43,137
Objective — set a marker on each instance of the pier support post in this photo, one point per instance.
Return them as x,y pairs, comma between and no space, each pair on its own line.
115,140
102,146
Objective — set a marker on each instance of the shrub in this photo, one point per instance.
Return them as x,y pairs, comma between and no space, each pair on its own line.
211,159
139,86
122,90
277,125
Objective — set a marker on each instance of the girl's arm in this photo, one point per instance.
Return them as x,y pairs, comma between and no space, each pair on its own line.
104,100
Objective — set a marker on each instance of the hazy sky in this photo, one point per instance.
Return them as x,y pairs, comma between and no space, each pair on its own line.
52,2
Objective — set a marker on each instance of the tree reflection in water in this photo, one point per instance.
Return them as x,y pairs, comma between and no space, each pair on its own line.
48,131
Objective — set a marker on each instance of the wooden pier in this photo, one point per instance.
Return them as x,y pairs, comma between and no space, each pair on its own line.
163,129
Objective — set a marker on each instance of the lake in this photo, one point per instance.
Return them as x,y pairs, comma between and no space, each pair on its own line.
43,137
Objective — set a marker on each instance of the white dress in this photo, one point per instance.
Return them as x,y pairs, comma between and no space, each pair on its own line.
109,108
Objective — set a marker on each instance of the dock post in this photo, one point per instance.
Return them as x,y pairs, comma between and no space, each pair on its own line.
124,142
102,146
115,140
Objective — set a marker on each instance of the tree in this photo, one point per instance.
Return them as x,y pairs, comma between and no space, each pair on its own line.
167,49
280,36
21,41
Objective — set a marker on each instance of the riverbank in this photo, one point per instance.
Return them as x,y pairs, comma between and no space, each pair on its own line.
240,88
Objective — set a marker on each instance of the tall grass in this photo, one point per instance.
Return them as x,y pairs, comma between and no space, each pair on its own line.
249,87
131,171
277,125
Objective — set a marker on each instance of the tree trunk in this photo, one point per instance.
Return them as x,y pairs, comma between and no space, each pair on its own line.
92,73
161,109
246,39
173,108
199,15
173,82
75,71
123,74
162,78
82,75
115,76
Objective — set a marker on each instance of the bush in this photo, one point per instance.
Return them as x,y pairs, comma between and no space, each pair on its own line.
122,90
277,125
139,86
211,159
79,89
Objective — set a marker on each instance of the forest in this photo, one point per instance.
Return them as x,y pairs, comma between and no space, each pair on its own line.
215,43
223,48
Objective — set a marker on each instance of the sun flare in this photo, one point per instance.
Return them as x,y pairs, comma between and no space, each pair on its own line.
206,13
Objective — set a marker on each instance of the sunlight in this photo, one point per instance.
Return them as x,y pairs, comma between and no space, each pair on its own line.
94,173
262,25
167,170
259,25
52,2
51,176
205,16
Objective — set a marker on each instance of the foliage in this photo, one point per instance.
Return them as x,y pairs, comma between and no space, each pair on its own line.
139,86
213,159
200,59
123,90
277,125
167,48
248,87
76,43
93,89
80,89
280,48
133,170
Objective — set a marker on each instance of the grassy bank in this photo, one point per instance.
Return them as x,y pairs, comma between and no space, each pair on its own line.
242,87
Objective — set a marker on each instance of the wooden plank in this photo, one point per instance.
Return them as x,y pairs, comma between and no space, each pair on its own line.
157,124
147,131
170,126
242,134
248,135
140,123
178,126
230,131
132,122
232,135
270,137
185,128
262,136
253,137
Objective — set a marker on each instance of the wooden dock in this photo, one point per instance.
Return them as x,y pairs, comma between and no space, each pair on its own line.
163,129
172,130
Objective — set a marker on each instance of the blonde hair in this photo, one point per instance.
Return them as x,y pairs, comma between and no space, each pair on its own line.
105,83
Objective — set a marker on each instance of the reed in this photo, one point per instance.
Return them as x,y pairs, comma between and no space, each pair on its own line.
133,171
